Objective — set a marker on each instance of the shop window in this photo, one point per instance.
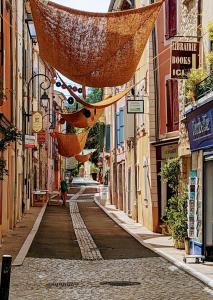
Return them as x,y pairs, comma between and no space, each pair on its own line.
171,18
172,105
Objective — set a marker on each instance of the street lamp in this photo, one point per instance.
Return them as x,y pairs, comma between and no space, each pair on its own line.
44,100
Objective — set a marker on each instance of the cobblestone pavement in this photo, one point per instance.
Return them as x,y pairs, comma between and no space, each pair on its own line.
154,278
89,250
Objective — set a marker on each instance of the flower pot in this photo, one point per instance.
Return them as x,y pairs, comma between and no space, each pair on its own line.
179,244
187,246
164,229
94,176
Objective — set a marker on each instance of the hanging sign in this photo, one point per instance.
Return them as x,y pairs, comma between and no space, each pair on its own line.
185,56
41,137
29,141
135,106
37,122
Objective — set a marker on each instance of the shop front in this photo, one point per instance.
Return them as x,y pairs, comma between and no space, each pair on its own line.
200,200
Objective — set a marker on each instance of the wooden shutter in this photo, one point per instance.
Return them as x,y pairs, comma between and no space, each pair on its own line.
173,17
172,105
121,120
117,129
175,105
170,18
107,147
169,105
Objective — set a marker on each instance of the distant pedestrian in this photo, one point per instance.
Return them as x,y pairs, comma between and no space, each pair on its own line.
64,190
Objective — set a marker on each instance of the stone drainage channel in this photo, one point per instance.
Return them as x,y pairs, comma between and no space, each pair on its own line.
88,248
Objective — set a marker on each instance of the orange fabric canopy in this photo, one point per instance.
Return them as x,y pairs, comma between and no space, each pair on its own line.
71,144
93,49
82,158
79,120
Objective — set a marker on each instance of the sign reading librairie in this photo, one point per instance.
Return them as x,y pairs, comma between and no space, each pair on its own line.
185,56
135,106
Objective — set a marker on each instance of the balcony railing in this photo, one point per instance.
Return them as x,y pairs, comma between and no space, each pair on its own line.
204,87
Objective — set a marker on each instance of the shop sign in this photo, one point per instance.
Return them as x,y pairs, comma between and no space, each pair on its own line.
200,130
169,151
29,141
37,122
135,106
41,137
185,56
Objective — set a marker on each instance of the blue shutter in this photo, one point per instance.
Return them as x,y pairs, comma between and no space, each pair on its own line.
107,148
121,119
117,129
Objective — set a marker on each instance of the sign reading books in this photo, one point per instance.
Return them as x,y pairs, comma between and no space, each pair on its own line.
185,56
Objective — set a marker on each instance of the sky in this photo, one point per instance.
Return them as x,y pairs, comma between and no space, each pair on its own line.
87,5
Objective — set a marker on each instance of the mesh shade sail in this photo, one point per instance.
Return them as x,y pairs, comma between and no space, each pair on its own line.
82,158
79,120
71,144
93,49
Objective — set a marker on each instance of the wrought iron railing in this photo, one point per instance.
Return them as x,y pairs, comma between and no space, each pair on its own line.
204,87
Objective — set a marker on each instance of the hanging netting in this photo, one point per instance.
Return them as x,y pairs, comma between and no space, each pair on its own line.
71,144
93,49
78,119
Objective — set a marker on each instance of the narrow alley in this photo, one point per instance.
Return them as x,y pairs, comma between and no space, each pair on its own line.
80,253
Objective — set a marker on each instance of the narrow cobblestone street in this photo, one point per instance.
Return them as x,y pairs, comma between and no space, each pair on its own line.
103,262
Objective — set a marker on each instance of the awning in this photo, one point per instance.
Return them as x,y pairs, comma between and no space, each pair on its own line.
93,49
79,120
71,144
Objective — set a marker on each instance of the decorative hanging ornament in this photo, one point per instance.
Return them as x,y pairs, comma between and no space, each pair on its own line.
74,88
53,135
69,86
70,100
86,113
62,121
80,90
58,84
63,86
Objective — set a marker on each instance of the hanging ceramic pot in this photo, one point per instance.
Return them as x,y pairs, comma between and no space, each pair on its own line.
58,84
74,88
70,100
80,90
86,113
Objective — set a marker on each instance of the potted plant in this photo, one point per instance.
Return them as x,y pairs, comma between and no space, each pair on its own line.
194,77
94,172
210,57
176,212
210,30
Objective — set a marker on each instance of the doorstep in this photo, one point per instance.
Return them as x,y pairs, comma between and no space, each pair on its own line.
160,244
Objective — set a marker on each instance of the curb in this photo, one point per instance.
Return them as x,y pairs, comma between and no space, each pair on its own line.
202,278
26,246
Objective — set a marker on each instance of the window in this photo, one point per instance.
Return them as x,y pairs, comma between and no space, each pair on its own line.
172,105
171,18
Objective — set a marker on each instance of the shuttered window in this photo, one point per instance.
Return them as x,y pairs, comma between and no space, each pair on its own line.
117,129
121,121
107,143
171,18
172,105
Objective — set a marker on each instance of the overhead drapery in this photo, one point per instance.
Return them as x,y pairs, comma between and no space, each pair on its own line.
79,120
82,158
93,49
71,144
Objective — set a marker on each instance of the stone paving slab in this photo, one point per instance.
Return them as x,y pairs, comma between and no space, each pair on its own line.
161,244
51,279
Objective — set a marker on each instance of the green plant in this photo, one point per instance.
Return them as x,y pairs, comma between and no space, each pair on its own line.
170,173
210,57
177,216
210,30
94,169
194,77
